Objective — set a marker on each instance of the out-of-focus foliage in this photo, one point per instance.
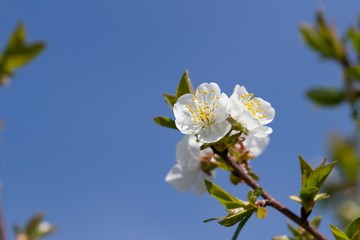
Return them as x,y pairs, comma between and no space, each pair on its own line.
35,229
352,231
344,186
17,53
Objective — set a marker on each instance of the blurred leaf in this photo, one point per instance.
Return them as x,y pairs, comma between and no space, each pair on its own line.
326,96
185,85
294,231
323,39
338,234
165,122
316,222
35,229
225,198
345,153
18,37
353,229
261,212
354,36
18,57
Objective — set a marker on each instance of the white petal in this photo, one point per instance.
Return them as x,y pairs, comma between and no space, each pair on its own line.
188,152
238,91
214,132
256,145
269,111
208,87
182,178
248,120
183,118
200,187
221,113
261,131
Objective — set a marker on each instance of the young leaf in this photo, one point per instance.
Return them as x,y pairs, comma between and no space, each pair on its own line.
319,175
232,219
326,96
170,100
308,193
225,198
338,234
261,212
185,85
353,229
240,226
165,122
304,166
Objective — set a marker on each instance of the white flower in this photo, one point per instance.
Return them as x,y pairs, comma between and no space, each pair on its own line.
203,114
253,113
187,173
255,145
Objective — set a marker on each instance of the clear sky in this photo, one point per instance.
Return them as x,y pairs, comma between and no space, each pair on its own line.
80,144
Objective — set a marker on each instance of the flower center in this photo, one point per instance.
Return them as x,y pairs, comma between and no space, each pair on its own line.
203,107
253,104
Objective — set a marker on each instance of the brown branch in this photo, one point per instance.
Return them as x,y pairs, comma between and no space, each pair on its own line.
240,172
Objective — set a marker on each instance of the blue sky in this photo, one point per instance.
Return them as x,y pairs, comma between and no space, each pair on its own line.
80,144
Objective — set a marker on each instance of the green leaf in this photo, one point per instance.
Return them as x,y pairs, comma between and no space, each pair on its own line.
261,212
18,37
32,226
234,218
240,226
304,166
345,153
319,175
170,100
165,122
225,198
326,96
17,57
353,229
294,231
316,222
185,86
354,36
308,193
338,234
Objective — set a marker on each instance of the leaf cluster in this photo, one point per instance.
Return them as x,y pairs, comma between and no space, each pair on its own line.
311,182
239,211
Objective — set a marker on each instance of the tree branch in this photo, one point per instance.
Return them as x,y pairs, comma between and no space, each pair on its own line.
240,172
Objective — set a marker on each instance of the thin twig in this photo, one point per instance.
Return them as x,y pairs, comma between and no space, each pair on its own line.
240,172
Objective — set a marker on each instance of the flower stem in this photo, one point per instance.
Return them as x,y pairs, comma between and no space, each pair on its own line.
271,201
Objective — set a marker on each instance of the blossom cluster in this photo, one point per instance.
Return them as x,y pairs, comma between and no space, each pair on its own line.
206,117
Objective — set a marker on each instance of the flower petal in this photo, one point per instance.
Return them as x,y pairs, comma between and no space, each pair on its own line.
214,132
261,131
183,118
188,152
200,187
182,178
269,112
256,145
